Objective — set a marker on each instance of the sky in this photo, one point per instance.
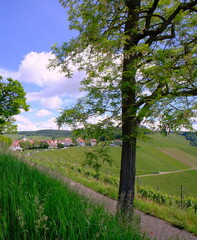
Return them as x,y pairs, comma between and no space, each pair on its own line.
28,30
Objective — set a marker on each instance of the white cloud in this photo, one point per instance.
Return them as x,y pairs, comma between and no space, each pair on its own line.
33,69
50,124
43,113
25,124
55,90
52,103
8,74
194,123
54,85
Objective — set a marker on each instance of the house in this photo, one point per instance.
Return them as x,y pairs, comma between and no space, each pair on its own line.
16,146
80,142
24,138
52,143
93,142
67,142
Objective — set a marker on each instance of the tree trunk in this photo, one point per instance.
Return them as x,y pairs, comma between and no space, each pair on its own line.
129,122
129,135
127,176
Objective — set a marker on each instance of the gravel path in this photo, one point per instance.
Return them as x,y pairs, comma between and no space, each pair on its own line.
154,228
162,173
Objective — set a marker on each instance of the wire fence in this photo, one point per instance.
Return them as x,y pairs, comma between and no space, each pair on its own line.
184,197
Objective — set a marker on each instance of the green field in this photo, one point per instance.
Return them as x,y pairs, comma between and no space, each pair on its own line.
18,136
14,136
159,154
154,155
171,183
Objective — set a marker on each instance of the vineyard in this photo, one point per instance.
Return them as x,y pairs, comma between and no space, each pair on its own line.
164,199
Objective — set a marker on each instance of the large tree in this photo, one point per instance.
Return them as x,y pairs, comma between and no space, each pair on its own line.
12,101
140,62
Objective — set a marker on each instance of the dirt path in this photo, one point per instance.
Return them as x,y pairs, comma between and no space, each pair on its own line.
160,173
153,227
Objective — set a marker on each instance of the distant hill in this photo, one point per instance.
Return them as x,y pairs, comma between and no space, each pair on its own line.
192,136
48,133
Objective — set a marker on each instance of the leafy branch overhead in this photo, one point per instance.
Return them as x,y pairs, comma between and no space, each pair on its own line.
159,37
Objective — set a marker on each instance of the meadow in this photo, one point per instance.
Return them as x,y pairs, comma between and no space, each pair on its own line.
19,136
35,206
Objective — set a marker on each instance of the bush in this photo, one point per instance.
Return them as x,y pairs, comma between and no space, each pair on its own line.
5,141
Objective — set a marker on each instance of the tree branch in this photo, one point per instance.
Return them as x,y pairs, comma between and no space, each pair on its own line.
162,37
166,94
168,21
150,12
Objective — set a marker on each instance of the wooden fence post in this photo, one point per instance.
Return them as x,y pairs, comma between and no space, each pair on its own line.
181,188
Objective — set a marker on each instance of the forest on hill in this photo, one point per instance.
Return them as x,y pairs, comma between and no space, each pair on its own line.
48,132
192,136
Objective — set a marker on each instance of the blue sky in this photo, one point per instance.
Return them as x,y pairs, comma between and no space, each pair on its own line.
28,30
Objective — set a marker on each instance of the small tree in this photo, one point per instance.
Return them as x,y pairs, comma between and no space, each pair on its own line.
5,141
25,145
60,145
140,62
44,144
12,100
96,157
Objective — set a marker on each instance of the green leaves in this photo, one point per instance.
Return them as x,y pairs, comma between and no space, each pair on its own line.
160,46
12,100
96,158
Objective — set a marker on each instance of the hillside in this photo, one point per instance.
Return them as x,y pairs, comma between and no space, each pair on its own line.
41,134
159,154
154,157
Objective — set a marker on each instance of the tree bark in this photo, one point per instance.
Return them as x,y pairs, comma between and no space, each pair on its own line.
129,135
128,172
129,121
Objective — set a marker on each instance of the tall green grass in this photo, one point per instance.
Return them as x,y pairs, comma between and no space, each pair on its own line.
34,206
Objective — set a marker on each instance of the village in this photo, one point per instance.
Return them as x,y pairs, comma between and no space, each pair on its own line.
24,143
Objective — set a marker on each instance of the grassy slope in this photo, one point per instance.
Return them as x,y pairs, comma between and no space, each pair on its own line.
14,136
150,155
150,158
17,136
34,206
